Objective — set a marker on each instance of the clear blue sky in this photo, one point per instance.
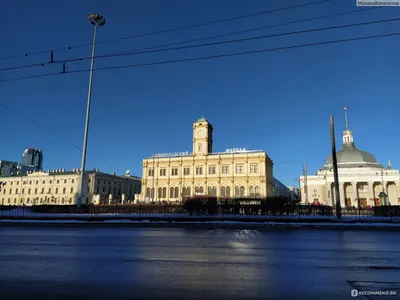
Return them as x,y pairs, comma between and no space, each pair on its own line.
277,101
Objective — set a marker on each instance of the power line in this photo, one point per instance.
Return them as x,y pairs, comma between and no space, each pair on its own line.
211,56
252,29
173,29
38,126
44,129
207,44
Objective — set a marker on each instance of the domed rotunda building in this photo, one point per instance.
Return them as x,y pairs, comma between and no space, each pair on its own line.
362,180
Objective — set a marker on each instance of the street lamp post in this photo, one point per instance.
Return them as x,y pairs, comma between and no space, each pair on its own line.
382,194
96,20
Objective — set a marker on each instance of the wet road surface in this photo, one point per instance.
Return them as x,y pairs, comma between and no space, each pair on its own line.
195,262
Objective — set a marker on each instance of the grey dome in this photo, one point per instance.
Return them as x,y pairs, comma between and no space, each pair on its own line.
350,157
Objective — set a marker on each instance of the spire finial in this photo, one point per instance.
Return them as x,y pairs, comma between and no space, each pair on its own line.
345,115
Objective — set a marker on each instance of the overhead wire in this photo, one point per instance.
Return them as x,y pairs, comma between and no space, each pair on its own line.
211,56
38,126
44,129
173,29
206,44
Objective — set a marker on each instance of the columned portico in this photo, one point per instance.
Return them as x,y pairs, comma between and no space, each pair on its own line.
342,194
361,178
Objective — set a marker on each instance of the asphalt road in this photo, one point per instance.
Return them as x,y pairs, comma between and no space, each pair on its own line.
196,262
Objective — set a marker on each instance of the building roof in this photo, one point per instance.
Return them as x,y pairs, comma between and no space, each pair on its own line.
190,155
202,119
350,156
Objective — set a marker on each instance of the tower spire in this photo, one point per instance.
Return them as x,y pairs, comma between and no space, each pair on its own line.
345,115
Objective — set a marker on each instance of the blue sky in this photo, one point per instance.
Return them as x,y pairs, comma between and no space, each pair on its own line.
276,101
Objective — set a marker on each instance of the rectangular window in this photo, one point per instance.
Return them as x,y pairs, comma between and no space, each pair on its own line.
199,171
42,191
35,190
97,190
211,170
16,191
253,169
151,172
49,191
175,172
163,172
56,190
186,171
225,169
23,191
239,169
72,190
64,190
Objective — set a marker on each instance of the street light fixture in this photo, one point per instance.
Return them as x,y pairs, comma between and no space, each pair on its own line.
382,194
96,20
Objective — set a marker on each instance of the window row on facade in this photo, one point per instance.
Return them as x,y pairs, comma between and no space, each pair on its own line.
35,191
211,170
225,191
41,181
37,201
65,181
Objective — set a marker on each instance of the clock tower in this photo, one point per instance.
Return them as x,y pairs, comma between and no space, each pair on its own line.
202,137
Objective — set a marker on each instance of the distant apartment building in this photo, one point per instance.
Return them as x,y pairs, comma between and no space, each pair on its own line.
32,158
60,187
7,168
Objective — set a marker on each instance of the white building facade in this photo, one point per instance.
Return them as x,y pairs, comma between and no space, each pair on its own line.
60,187
363,182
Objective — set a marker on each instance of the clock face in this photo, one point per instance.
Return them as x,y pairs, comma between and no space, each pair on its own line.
200,132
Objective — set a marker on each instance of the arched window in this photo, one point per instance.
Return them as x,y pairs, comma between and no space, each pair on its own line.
222,191
212,191
242,191
227,191
159,192
152,193
199,189
199,147
258,195
148,192
252,192
176,192
237,191
171,192
164,192
186,191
